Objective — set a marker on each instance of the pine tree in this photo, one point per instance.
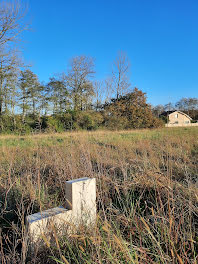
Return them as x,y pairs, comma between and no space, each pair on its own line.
58,94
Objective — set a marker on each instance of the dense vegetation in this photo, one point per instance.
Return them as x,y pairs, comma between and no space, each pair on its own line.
146,195
129,111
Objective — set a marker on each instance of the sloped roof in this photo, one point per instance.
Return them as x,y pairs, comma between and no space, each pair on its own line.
166,113
182,113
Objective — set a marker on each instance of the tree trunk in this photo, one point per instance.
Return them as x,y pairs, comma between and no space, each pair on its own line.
34,107
1,89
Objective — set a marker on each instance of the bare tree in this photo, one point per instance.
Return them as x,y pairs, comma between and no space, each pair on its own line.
158,110
169,107
188,105
11,21
108,89
78,79
121,67
11,25
182,104
98,90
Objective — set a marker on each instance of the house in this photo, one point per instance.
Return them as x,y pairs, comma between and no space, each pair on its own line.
178,118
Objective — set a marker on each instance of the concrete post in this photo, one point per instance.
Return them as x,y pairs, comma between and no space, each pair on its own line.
81,199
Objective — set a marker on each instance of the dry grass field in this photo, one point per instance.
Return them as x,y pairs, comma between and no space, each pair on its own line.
147,195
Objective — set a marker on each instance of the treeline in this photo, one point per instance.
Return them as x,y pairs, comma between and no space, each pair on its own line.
70,100
186,105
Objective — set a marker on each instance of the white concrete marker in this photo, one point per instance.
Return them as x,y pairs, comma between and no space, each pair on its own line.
81,208
81,199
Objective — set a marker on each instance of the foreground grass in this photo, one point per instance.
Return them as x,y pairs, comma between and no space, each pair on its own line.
147,195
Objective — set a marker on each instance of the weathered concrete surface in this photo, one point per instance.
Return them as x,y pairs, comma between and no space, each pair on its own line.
81,199
40,223
80,209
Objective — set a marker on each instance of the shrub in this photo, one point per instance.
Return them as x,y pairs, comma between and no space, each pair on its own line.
89,120
54,124
130,111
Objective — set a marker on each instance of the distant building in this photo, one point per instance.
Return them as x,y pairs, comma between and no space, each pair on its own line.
178,118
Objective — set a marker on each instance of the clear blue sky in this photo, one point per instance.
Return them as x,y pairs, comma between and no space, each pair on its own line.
159,36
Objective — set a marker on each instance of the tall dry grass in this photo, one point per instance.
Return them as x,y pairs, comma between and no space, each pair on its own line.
147,195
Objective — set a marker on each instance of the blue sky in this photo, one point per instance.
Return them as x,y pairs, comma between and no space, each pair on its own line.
160,38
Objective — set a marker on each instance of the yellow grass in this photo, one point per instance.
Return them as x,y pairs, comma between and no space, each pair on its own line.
147,194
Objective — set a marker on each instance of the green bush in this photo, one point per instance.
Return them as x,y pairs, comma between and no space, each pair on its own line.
89,120
54,124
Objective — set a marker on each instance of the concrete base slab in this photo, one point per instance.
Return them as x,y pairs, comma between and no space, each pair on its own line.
40,223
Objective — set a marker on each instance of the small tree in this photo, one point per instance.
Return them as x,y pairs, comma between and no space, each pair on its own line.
121,67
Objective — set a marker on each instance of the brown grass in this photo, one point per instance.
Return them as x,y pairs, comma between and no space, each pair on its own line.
147,195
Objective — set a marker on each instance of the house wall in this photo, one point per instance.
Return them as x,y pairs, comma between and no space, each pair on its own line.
177,118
